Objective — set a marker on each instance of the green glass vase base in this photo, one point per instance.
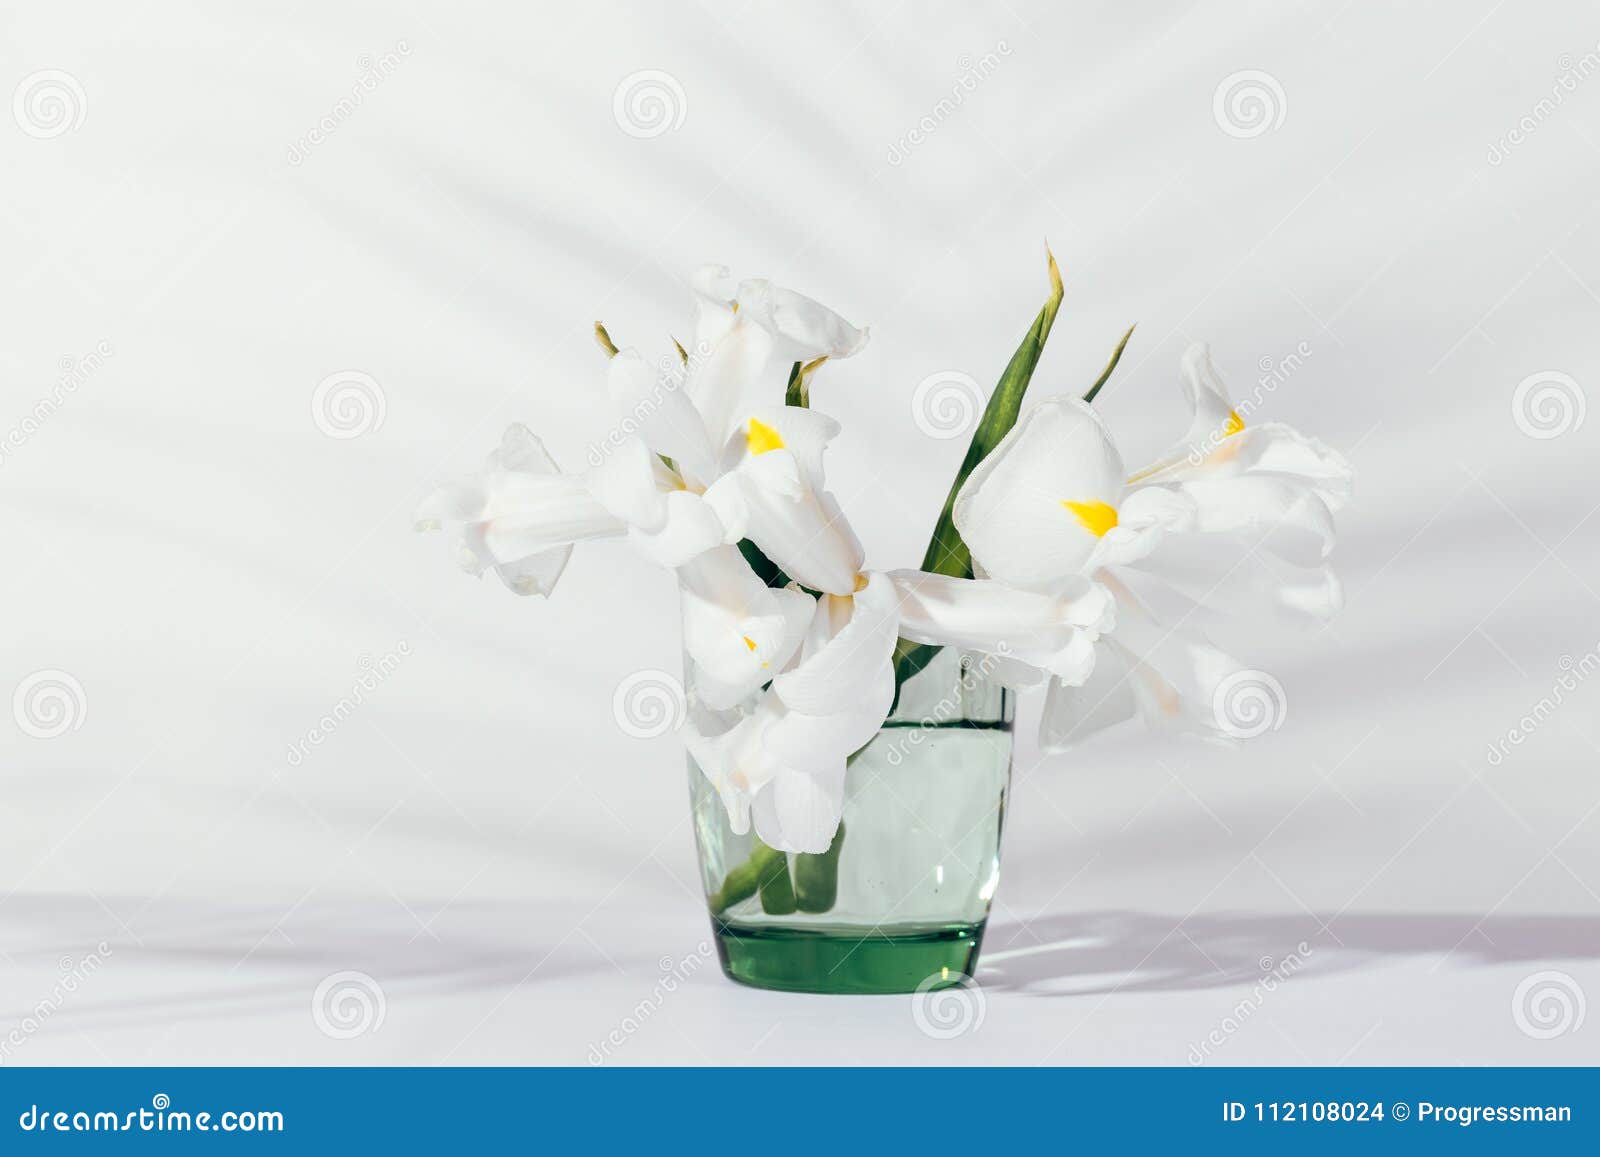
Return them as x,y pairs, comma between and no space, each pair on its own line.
839,960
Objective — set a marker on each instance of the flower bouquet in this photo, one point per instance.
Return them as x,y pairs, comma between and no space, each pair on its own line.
849,729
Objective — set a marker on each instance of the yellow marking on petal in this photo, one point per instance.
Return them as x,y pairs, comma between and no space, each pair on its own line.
1096,517
762,437
749,642
1235,424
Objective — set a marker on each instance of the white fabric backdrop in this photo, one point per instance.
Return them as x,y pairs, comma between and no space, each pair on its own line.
479,838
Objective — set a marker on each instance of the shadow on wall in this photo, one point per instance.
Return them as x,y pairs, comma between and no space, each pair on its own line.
1097,953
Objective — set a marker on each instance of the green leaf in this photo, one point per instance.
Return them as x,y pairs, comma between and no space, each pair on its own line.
947,553
1116,356
766,570
798,391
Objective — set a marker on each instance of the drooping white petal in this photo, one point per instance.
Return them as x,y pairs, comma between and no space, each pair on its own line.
1173,670
799,811
528,513
1051,632
1106,698
520,516
843,665
806,329
722,750
1035,509
1229,575
656,407
803,532
1286,517
736,629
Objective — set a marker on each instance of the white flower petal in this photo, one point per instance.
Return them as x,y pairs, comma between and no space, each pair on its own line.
1072,714
1050,632
1034,510
1147,516
529,513
807,329
715,315
738,630
1207,396
690,526
657,408
803,532
625,483
803,432
741,361
1286,517
800,811
848,669
535,574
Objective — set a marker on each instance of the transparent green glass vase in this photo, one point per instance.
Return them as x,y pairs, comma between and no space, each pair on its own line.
900,899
